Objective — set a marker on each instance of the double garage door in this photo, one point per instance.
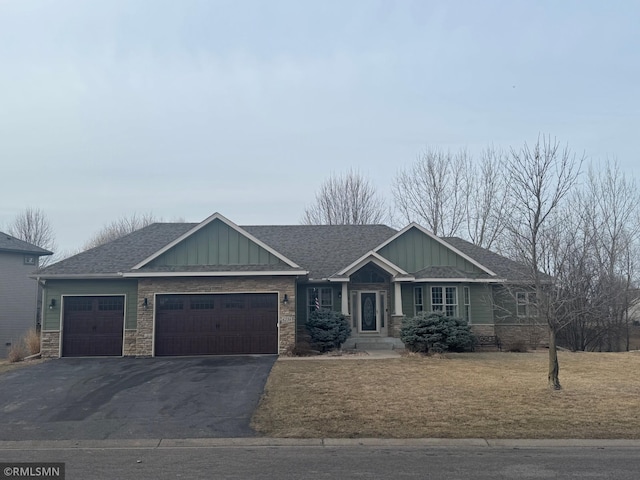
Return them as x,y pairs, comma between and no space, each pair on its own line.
202,324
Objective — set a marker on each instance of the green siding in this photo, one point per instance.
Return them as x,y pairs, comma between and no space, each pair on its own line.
54,289
481,300
216,244
415,250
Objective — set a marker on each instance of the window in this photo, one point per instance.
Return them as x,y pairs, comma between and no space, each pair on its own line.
111,304
202,302
29,260
369,274
418,305
467,303
445,299
526,304
318,298
170,303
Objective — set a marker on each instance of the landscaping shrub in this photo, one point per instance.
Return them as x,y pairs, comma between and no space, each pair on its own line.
327,329
434,332
32,341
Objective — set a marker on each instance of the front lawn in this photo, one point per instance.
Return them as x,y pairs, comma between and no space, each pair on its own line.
470,395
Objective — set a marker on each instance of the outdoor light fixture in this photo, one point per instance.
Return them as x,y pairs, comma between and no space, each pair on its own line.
145,303
285,300
52,305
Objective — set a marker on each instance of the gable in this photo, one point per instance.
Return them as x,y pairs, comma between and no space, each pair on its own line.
413,251
217,243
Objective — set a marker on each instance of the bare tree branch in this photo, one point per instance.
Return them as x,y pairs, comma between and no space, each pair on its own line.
348,199
33,226
119,228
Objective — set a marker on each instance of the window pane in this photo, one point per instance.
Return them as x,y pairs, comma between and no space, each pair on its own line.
451,295
326,298
436,296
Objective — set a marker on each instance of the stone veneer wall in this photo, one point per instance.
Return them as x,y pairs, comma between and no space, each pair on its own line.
395,324
480,329
531,335
50,344
130,342
147,287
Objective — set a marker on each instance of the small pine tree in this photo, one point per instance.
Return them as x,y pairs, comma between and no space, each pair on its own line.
436,332
328,329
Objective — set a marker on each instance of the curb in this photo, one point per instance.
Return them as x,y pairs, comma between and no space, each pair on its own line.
114,444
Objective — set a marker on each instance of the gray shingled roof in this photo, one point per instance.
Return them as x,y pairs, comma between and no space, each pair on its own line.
323,250
121,254
9,243
501,266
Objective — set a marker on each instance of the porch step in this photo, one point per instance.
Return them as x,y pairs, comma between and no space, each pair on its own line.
376,343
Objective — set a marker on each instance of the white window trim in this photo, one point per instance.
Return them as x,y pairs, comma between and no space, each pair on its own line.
415,303
527,304
444,299
466,300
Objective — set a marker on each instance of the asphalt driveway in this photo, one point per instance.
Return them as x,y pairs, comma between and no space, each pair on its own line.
99,398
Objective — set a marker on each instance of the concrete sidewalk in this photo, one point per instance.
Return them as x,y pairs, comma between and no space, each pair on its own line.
360,355
313,442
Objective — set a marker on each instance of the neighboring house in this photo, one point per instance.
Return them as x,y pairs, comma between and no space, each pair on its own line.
18,292
218,288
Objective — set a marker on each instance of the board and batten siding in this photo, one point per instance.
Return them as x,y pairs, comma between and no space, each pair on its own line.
18,299
216,244
54,289
481,300
414,251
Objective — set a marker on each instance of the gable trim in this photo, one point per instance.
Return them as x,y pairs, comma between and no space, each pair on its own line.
440,241
142,274
204,223
460,280
376,259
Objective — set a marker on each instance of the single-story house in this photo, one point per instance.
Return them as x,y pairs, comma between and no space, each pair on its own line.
218,288
18,292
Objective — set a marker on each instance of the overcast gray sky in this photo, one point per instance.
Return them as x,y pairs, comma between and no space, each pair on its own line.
184,108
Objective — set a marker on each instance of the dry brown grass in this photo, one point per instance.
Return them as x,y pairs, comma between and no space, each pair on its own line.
16,353
32,341
479,395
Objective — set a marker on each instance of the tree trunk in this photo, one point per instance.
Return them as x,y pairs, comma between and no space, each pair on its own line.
554,368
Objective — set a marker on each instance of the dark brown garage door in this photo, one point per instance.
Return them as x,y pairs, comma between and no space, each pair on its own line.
92,326
220,324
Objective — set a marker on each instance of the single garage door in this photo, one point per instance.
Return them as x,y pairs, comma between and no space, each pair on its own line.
216,324
92,326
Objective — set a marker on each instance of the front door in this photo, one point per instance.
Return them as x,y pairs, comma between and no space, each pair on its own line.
368,317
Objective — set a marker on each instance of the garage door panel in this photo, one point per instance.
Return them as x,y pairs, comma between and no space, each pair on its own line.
93,326
216,324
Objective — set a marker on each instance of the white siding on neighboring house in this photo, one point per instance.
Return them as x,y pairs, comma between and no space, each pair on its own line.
18,299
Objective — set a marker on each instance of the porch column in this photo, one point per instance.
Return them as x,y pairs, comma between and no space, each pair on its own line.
397,299
345,299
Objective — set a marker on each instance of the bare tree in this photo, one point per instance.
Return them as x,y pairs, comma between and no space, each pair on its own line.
434,191
486,198
119,228
347,199
33,226
540,178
